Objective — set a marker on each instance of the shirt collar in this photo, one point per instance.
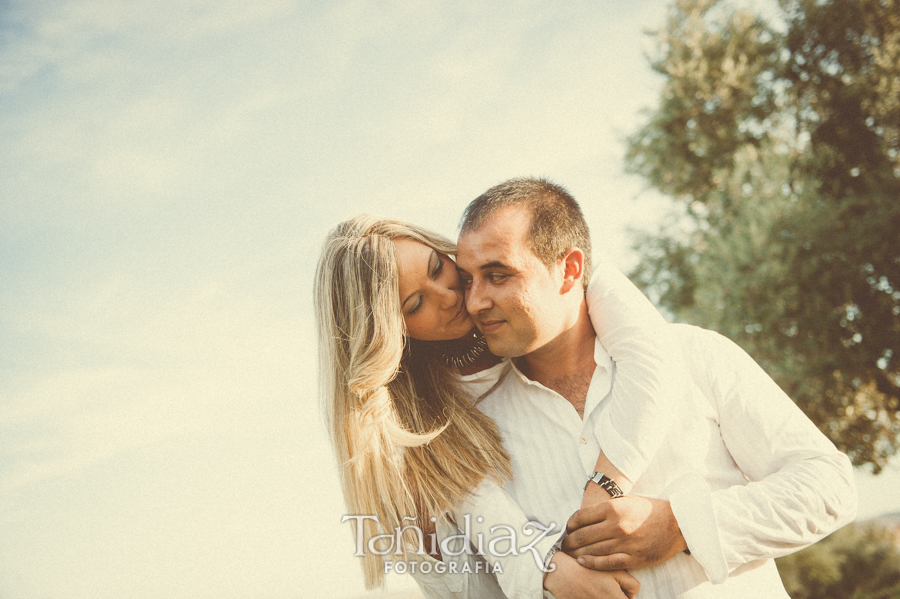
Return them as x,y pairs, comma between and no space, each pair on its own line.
601,381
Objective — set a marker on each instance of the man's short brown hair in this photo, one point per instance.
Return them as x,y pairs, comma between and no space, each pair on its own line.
557,224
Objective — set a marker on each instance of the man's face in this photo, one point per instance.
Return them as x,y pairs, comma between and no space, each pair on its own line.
512,297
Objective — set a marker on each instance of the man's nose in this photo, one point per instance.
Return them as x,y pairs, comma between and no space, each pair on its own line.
476,298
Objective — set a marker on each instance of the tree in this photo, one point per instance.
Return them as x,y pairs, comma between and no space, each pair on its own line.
781,145
856,562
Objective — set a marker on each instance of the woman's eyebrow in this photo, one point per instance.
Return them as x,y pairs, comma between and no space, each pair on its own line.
433,262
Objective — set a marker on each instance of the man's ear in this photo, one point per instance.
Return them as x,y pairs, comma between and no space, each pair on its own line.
573,269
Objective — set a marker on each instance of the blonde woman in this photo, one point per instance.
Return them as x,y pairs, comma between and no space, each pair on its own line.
400,364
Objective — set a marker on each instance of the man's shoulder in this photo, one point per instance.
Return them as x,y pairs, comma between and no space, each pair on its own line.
479,384
714,362
708,356
697,340
694,332
502,382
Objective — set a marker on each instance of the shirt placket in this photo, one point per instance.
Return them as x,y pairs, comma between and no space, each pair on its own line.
580,431
554,406
601,383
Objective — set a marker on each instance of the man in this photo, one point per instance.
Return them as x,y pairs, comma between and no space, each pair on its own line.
742,477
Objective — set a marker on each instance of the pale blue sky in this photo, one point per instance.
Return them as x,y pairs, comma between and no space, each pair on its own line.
167,173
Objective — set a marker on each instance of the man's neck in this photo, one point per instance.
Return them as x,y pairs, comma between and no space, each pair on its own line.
565,364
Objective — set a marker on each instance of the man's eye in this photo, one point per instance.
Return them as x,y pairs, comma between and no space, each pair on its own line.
495,278
466,282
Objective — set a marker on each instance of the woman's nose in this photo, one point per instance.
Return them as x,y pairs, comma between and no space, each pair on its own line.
449,297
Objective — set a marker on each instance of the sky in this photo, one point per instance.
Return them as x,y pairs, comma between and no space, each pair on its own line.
168,172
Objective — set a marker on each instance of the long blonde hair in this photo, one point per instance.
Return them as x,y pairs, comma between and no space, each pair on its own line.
408,441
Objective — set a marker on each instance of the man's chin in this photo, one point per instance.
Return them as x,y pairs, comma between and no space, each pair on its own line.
501,349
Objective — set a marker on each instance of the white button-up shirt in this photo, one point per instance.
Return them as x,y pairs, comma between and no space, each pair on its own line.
686,414
748,475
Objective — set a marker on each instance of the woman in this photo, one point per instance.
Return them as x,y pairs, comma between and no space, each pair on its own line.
394,340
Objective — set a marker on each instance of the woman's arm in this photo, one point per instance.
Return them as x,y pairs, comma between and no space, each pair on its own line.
513,551
456,573
637,418
571,581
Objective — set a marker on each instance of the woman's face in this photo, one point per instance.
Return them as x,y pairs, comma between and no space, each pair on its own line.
431,297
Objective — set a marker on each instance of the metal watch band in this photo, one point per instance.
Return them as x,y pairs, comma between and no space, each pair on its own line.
608,484
556,547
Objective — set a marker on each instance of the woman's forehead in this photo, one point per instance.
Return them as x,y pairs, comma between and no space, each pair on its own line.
413,260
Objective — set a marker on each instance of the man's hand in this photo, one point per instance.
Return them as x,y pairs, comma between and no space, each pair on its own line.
627,532
593,494
571,581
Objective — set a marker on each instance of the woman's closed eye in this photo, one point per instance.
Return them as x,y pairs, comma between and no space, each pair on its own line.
416,307
436,266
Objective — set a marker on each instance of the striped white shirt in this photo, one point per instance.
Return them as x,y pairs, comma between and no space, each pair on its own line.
748,475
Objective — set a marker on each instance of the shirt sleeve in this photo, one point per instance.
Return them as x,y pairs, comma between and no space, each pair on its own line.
460,574
800,487
512,546
635,335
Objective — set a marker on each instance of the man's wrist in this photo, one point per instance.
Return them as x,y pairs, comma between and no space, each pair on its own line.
606,483
682,543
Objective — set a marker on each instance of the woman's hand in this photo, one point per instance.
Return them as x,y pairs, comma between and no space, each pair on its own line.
571,581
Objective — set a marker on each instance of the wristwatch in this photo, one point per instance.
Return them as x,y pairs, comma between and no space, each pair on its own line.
608,484
557,546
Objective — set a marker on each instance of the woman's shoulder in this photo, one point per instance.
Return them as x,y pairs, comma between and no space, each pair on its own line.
479,383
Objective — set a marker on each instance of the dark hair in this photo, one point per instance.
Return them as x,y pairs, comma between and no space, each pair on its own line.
557,224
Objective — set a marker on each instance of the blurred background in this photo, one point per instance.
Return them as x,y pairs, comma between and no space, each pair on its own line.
168,171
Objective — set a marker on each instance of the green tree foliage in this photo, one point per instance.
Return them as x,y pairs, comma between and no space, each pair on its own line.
782,144
856,562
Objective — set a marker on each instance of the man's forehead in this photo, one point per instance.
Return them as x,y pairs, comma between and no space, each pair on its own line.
500,238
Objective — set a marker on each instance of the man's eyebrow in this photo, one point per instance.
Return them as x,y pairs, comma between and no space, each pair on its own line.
494,264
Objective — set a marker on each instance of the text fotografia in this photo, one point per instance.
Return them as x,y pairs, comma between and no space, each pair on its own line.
507,543
443,567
